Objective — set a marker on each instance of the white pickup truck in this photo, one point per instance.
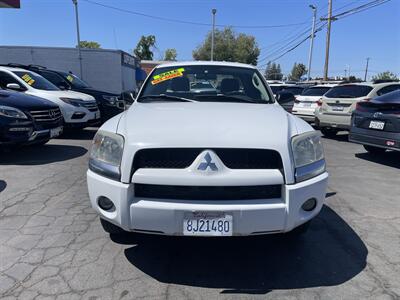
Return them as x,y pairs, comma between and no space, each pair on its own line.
220,161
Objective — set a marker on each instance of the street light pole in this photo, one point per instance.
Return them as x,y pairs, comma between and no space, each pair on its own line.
366,69
214,11
75,2
314,8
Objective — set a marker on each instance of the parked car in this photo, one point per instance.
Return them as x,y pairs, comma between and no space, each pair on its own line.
286,100
337,105
182,163
294,89
78,110
109,104
306,103
26,119
376,123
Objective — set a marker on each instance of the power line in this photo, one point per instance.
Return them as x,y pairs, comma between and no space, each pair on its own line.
189,22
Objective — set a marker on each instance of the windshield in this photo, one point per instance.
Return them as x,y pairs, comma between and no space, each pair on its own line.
315,91
36,81
206,83
348,91
74,80
276,88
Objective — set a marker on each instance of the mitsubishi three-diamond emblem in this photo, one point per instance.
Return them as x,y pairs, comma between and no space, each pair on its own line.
207,163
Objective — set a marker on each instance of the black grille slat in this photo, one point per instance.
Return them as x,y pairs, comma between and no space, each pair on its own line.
181,158
174,192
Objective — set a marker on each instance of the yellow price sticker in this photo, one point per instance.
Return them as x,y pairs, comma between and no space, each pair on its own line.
167,75
70,78
28,79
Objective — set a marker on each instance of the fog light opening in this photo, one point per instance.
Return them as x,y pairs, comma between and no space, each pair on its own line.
310,204
105,203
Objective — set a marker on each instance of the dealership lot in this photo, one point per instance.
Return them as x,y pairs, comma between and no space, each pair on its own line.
52,244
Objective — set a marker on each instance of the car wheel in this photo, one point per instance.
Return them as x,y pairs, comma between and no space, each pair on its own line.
374,150
329,132
111,228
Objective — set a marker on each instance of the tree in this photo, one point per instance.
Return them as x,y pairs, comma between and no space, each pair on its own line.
298,70
144,46
229,46
89,44
273,71
170,54
387,75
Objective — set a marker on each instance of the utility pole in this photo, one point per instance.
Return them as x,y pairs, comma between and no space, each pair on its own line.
214,11
75,2
328,37
366,69
314,8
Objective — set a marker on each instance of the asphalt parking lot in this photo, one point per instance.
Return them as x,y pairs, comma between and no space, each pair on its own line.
52,244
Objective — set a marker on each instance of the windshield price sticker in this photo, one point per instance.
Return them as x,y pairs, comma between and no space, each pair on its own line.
167,75
28,79
70,78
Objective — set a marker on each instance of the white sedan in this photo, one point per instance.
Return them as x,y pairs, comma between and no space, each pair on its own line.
219,162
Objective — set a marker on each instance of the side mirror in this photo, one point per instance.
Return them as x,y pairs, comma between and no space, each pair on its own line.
14,87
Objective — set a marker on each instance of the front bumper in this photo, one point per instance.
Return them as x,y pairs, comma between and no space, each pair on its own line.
381,139
79,116
250,217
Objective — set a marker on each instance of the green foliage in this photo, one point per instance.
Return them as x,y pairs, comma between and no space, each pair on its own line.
229,46
298,70
387,75
273,71
144,46
89,44
170,54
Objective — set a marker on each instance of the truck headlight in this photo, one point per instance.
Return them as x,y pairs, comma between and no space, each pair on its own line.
308,155
106,154
11,112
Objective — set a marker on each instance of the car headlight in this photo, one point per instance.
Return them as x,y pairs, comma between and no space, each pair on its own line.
106,154
11,112
111,100
74,102
308,155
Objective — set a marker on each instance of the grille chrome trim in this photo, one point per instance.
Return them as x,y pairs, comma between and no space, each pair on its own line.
50,115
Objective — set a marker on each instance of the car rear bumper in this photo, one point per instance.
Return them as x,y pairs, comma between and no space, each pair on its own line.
333,120
382,139
250,217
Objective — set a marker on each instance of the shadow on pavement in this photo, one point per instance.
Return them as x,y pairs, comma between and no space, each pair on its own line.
39,155
340,137
329,254
3,185
78,134
389,158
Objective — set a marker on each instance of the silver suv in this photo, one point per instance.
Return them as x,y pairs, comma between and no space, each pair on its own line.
336,106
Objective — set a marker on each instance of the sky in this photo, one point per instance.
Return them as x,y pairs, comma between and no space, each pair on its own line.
374,33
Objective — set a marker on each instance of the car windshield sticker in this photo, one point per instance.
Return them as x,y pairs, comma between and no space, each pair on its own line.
70,78
167,75
28,79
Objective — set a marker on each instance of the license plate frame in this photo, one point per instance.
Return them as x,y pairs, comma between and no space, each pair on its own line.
207,224
378,125
338,108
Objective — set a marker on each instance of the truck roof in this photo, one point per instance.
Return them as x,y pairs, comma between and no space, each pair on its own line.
206,63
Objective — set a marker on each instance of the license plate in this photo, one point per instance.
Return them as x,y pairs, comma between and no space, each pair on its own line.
56,131
337,108
377,125
207,224
306,104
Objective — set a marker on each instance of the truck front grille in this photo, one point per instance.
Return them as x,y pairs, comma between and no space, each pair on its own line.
175,192
50,115
181,158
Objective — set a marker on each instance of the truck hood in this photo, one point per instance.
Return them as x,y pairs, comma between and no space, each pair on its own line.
205,124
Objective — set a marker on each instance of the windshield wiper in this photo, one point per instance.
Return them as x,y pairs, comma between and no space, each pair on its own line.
227,98
151,98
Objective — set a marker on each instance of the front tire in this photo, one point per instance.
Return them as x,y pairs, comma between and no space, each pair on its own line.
111,228
374,150
41,143
329,132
